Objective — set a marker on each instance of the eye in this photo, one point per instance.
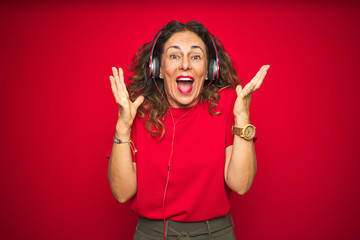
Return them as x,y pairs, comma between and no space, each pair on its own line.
196,57
174,56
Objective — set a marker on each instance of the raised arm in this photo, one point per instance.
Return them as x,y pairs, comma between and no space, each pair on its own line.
121,169
241,163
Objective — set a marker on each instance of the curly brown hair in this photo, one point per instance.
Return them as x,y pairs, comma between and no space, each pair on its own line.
142,84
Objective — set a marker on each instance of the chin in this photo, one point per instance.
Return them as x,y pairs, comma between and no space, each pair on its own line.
184,102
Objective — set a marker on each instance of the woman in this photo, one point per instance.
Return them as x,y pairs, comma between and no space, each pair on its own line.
179,113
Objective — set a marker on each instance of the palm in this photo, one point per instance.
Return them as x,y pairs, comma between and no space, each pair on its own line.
127,111
242,103
127,108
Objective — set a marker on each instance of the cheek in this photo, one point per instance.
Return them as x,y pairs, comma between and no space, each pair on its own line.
168,67
167,70
202,69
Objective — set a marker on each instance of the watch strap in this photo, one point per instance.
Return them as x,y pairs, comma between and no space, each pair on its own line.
236,131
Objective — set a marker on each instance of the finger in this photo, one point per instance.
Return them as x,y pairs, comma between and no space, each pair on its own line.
243,92
262,77
138,101
115,72
259,77
256,77
118,98
238,90
117,79
122,82
114,89
248,89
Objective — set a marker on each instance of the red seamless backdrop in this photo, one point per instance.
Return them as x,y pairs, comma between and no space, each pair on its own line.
58,114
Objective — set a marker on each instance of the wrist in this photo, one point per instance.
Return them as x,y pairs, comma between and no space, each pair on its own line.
122,132
118,141
241,120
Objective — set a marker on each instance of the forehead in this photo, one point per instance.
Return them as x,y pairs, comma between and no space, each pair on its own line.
185,40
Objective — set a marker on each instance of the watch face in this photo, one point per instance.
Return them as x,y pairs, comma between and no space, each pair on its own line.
249,132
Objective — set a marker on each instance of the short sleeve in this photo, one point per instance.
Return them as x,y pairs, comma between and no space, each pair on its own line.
133,139
108,152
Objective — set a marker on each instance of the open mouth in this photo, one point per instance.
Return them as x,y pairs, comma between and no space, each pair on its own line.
185,84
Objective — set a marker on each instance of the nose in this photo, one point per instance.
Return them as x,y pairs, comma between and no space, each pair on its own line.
185,64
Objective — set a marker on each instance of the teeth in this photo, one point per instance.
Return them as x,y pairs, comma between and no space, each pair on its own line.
184,79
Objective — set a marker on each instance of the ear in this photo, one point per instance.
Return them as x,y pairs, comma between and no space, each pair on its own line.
161,73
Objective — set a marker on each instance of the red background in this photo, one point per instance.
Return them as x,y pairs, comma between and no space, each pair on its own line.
58,114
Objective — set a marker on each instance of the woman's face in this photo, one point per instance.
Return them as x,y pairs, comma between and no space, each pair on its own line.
184,68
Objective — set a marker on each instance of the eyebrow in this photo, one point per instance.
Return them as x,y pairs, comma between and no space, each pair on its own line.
192,47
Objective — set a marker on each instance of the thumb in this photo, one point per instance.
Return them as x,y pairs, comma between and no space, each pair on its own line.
238,90
139,101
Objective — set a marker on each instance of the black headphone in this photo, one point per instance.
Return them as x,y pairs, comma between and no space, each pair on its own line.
154,63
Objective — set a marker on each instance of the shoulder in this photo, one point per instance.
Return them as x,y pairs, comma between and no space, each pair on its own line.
226,100
227,95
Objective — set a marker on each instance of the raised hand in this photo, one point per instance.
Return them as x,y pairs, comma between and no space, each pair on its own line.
127,108
242,103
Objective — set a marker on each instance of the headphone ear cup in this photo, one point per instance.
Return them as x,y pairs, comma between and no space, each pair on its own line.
156,67
211,70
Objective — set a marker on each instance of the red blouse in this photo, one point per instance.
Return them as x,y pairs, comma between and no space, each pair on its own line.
196,190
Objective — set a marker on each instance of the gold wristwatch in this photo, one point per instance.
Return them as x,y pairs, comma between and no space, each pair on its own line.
247,132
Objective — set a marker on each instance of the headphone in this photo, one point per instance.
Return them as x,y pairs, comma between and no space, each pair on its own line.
213,69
